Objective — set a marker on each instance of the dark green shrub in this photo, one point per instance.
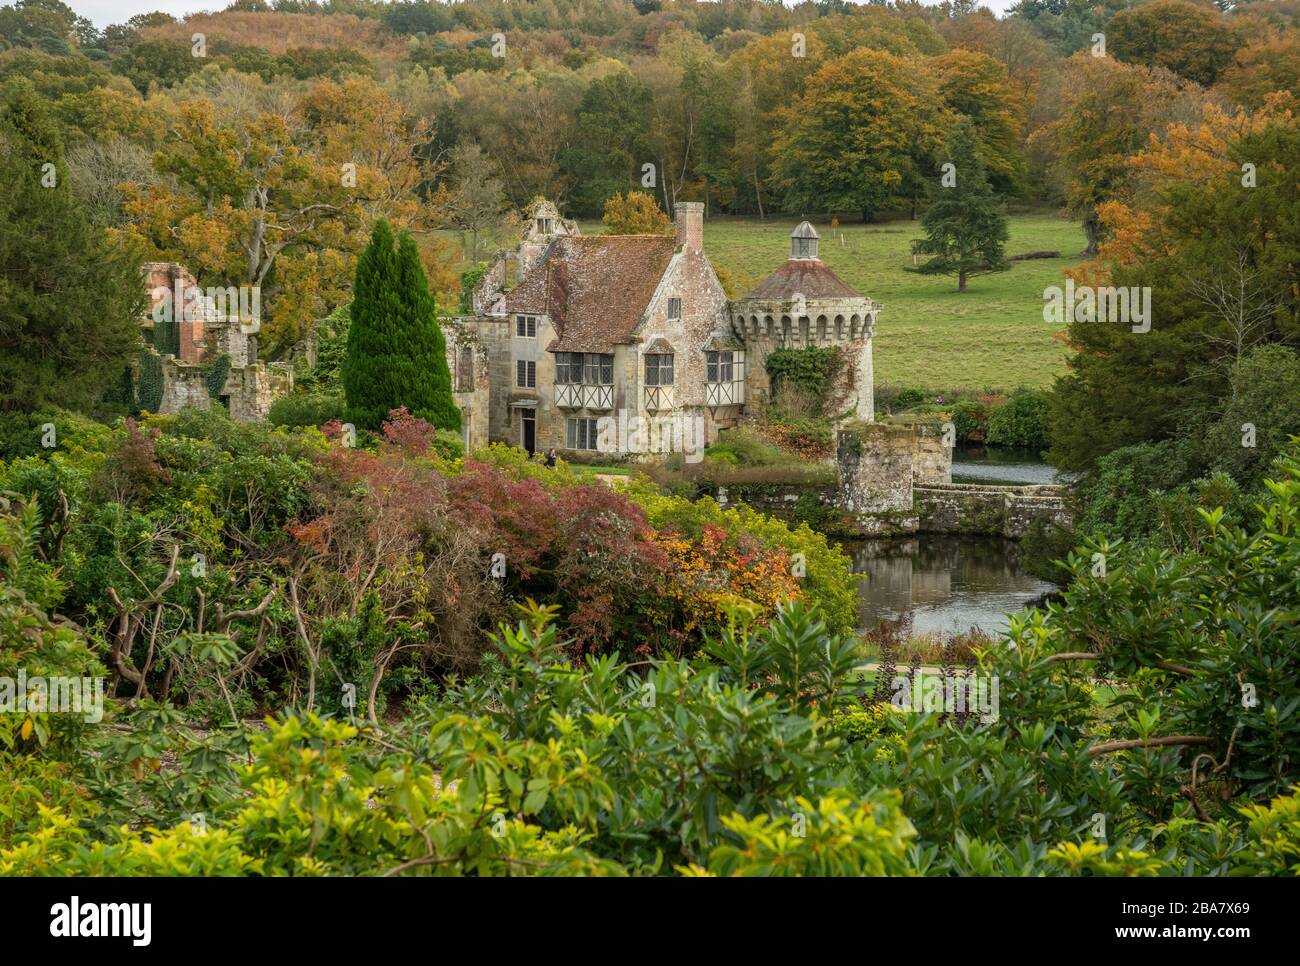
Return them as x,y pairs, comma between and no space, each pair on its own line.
448,445
1021,421
301,409
971,421
1118,498
810,368
907,399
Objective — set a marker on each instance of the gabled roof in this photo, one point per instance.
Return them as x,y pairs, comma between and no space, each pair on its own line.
595,288
809,277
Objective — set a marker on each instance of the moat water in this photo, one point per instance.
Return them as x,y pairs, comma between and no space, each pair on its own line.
1001,464
939,583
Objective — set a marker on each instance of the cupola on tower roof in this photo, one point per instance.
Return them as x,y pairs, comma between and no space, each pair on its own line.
803,241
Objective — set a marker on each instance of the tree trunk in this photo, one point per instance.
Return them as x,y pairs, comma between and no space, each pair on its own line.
1092,229
961,280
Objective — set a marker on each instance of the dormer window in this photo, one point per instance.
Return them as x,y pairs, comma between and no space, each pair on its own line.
545,225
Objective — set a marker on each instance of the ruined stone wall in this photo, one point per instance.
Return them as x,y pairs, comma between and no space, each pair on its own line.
931,459
184,385
250,390
487,293
230,338
494,335
875,472
470,367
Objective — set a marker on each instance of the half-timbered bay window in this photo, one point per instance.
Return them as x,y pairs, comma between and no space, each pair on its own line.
580,433
658,380
584,380
568,368
724,373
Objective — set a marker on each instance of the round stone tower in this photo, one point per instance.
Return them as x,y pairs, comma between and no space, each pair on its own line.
804,303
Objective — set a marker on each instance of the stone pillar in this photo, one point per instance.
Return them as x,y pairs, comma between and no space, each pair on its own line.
875,471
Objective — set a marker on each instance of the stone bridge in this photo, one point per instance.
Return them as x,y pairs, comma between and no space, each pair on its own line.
975,508
897,480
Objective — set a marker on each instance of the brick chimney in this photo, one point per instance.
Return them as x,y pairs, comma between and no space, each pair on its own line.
690,225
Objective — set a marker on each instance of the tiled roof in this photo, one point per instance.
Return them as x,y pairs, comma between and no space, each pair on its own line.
595,288
809,277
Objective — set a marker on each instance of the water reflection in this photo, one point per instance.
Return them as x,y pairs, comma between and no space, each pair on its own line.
942,583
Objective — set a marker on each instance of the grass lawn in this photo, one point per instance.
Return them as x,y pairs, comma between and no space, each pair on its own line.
929,337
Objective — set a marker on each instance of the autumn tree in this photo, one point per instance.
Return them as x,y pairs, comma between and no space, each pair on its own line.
396,353
1214,238
476,203
863,133
1264,67
977,86
279,194
965,223
1190,39
1108,111
636,214
70,300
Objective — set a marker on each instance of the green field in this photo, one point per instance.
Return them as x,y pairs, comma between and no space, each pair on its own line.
930,337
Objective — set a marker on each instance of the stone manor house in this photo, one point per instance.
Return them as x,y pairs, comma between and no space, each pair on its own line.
573,328
570,328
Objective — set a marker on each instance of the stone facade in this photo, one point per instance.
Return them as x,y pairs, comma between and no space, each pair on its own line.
637,305
931,457
208,327
568,345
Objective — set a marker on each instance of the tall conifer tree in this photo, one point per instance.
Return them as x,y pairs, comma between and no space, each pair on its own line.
396,351
965,224
71,300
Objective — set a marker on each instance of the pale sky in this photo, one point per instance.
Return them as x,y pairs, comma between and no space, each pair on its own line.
104,12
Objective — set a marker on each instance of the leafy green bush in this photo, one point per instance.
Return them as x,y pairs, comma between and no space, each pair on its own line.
1021,421
301,409
907,399
747,448
970,419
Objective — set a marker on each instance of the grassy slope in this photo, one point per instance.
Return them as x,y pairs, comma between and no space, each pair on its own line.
991,337
929,336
